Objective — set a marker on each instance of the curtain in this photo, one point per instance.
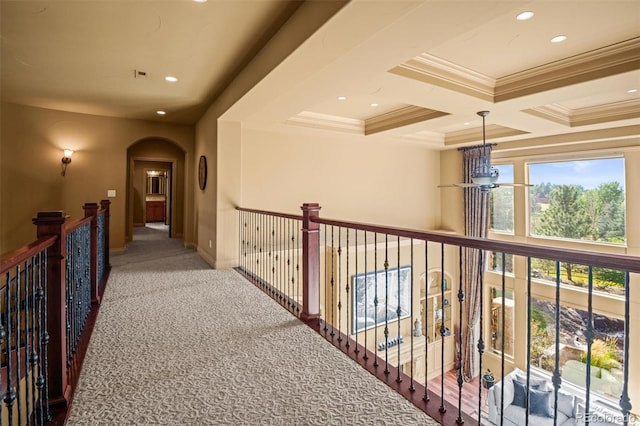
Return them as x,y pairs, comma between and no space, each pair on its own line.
476,220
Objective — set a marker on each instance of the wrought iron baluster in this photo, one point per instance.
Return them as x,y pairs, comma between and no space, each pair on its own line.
333,292
9,395
366,295
625,401
326,287
460,331
298,280
502,358
355,292
481,346
43,324
386,304
347,287
442,409
556,380
19,329
293,266
589,335
425,318
529,318
30,393
339,284
411,305
398,313
375,299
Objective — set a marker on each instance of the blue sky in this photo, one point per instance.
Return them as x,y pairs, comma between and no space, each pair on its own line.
587,173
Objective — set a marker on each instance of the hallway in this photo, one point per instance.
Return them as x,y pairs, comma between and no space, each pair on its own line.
176,342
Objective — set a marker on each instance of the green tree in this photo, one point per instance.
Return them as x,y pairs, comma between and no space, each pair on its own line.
611,220
565,217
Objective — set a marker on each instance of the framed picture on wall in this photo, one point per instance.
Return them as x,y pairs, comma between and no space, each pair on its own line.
392,288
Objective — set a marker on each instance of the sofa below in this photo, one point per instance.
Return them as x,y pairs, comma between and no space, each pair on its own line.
571,407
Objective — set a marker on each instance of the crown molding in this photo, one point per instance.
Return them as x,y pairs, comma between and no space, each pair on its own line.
409,114
431,69
614,59
327,122
493,131
596,114
610,60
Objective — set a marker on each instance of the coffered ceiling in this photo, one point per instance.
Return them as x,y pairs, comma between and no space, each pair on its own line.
404,71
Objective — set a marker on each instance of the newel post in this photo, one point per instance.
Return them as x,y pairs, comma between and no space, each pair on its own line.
91,210
310,265
106,206
49,224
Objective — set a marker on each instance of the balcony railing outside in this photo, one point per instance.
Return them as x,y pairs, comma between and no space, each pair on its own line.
393,300
48,292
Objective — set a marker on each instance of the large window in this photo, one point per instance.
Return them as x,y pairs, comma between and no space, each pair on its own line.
578,200
501,201
606,350
502,332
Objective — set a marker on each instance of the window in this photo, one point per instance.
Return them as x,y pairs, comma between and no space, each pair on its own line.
604,280
606,349
578,200
495,263
498,341
501,201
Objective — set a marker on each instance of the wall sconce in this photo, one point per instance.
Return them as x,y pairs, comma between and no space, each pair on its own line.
66,160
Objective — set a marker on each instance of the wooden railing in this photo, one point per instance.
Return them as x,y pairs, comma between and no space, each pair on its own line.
394,301
50,290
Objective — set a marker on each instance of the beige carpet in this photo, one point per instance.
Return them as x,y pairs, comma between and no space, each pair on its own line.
177,343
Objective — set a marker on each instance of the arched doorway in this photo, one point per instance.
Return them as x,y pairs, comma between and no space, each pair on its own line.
155,186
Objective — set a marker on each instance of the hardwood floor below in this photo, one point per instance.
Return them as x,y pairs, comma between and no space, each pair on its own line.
470,393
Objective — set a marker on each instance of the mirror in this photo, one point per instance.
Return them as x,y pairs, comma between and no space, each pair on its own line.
155,183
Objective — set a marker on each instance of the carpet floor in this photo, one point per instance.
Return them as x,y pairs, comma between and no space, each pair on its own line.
178,343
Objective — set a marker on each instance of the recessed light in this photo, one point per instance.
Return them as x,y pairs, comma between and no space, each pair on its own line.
632,90
558,39
523,16
342,98
171,78
374,104
161,112
200,1
466,123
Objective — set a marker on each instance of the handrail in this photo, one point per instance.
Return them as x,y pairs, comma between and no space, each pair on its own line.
13,258
605,260
284,215
77,224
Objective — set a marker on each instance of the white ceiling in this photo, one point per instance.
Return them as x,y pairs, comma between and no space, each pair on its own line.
429,65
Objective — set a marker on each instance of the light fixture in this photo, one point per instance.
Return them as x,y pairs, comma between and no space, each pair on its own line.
342,98
523,16
171,79
374,104
66,159
558,39
632,90
160,112
484,174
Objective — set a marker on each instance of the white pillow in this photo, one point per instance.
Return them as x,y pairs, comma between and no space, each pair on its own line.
565,403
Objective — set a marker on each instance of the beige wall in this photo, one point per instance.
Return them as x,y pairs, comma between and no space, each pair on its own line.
351,177
31,145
